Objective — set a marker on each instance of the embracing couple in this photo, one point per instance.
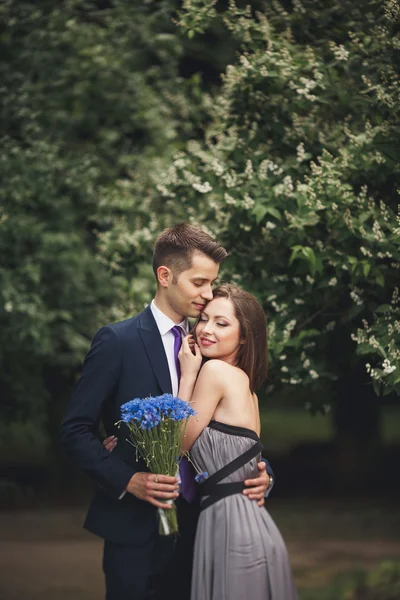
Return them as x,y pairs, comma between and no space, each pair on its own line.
228,548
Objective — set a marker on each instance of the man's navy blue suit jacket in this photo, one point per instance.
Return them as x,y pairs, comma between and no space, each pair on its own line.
126,360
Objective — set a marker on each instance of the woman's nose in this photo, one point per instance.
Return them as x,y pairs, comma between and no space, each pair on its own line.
207,328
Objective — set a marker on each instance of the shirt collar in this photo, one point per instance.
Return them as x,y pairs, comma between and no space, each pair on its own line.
164,323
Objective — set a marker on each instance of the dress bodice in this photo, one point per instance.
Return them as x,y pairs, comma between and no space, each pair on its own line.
219,444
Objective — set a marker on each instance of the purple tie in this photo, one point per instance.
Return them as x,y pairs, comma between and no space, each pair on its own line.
188,485
177,333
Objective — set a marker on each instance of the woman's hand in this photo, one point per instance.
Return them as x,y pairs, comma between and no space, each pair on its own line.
110,442
190,357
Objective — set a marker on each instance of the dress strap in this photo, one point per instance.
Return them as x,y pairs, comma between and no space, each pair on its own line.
215,490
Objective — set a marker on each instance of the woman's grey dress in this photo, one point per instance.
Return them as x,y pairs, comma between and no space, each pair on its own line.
239,553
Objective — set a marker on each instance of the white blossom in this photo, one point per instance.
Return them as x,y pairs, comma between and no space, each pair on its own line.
356,298
340,52
203,188
377,231
270,225
249,169
248,202
301,153
365,251
387,367
245,62
228,199
291,325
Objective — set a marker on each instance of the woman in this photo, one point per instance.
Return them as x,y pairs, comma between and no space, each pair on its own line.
239,552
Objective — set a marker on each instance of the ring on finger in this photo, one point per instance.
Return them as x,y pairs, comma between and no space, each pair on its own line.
156,479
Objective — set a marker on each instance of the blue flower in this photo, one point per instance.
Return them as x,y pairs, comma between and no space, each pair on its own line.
149,412
201,477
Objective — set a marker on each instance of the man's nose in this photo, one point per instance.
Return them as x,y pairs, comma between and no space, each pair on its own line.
207,293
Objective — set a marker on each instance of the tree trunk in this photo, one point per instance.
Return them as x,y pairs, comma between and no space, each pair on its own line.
358,443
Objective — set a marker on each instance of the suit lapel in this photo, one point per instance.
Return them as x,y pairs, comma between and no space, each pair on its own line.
154,347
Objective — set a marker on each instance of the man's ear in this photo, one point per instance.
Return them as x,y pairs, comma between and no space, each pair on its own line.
164,276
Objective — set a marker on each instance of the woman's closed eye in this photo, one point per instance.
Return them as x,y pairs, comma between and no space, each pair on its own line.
203,320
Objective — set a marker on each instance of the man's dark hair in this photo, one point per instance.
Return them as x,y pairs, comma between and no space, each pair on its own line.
175,246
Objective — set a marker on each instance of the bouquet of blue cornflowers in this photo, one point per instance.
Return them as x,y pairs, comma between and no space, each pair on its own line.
157,427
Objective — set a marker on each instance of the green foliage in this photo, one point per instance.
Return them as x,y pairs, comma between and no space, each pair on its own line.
293,163
90,90
298,175
380,583
52,289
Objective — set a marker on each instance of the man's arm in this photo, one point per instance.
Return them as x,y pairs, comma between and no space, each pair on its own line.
271,477
79,427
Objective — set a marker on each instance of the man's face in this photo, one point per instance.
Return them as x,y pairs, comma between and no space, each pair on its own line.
189,292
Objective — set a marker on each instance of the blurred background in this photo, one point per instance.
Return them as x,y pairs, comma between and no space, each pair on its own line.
275,126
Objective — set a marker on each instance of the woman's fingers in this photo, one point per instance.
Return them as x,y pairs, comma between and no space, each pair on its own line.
110,442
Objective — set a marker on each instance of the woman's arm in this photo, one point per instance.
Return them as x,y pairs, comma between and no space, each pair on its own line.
207,393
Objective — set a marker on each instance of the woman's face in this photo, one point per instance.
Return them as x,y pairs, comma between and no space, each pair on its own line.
218,331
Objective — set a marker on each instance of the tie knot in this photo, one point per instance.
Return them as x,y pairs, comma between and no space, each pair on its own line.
177,331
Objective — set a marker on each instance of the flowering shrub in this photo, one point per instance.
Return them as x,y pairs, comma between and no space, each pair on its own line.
298,176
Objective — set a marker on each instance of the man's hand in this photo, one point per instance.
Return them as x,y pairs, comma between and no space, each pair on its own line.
147,486
258,487
150,487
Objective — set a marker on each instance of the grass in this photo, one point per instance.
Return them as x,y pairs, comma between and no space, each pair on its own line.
328,542
285,428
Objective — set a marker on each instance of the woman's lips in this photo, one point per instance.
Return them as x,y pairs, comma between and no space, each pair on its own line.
206,342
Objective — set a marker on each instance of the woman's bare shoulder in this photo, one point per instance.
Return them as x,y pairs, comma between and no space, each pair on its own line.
222,370
214,366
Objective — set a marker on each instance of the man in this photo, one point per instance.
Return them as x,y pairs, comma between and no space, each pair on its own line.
135,359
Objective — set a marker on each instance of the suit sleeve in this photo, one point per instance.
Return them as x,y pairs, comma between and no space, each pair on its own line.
271,473
79,427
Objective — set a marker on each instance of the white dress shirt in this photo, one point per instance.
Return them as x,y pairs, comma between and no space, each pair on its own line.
165,324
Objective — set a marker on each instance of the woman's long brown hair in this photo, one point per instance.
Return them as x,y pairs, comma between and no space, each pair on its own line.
252,356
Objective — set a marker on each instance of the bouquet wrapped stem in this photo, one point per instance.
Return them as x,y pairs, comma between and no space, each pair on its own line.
156,429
